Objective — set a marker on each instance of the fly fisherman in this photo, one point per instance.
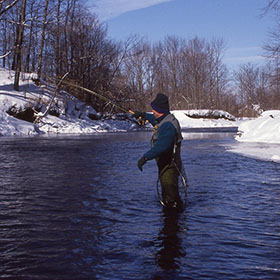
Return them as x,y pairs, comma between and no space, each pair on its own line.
165,148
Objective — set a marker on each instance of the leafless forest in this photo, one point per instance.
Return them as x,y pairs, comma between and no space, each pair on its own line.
53,37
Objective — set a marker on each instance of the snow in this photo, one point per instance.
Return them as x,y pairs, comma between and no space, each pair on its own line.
73,114
259,138
265,129
183,116
263,151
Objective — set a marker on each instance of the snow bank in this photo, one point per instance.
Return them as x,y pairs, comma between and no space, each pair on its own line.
63,125
259,138
8,98
74,115
264,129
263,151
11,126
202,120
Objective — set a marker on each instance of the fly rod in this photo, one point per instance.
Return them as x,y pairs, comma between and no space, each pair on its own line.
102,97
140,121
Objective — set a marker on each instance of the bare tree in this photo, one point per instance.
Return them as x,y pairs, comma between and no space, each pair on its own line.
272,49
218,74
191,73
43,37
19,44
64,36
196,72
57,36
272,5
253,85
5,7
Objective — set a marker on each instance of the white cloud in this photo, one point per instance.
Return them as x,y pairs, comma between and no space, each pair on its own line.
245,49
107,9
236,61
243,59
235,57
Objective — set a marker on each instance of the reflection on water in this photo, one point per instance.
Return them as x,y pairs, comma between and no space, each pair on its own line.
202,135
170,252
79,208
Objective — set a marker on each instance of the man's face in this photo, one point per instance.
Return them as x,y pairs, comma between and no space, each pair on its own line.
157,114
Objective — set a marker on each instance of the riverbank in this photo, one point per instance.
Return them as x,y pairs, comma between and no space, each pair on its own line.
260,138
69,115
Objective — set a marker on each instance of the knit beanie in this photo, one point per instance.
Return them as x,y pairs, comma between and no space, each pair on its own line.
160,103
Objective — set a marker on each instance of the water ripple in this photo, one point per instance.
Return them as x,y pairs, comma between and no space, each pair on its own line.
78,208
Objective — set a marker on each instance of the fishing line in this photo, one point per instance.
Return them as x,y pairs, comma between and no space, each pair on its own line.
140,121
102,97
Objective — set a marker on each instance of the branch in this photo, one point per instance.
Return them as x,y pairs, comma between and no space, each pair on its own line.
41,115
8,7
272,5
23,23
2,56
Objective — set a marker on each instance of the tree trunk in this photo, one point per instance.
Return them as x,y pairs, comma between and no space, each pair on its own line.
40,56
57,47
19,45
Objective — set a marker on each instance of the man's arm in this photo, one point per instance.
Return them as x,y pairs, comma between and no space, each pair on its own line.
150,118
165,140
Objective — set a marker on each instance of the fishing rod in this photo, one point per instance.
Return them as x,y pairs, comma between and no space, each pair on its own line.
102,97
140,120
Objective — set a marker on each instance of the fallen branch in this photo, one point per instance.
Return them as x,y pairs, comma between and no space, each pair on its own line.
4,55
41,115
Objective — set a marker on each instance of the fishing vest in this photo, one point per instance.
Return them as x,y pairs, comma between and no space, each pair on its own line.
178,137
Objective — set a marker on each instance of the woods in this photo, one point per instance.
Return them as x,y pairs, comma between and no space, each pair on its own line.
53,37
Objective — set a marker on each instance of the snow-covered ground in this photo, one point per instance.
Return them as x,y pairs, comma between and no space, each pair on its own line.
258,138
264,129
73,114
189,119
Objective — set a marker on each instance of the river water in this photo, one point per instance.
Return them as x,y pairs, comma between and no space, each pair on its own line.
78,208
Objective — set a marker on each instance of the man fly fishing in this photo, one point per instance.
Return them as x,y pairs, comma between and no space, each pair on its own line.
165,149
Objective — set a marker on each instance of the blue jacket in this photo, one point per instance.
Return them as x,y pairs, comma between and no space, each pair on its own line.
166,136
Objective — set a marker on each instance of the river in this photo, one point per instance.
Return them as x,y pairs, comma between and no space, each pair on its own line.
77,207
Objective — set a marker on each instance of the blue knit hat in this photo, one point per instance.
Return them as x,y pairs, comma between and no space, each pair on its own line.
160,103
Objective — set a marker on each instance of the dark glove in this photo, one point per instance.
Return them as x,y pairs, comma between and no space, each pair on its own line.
137,114
141,162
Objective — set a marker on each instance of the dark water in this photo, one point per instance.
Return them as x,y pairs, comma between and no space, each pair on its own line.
78,208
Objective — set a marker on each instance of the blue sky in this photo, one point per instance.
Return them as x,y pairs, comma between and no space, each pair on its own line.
237,22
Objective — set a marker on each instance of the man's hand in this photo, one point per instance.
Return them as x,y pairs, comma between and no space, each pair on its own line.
141,162
137,114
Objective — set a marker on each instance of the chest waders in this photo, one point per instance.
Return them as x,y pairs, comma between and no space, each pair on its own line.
171,175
